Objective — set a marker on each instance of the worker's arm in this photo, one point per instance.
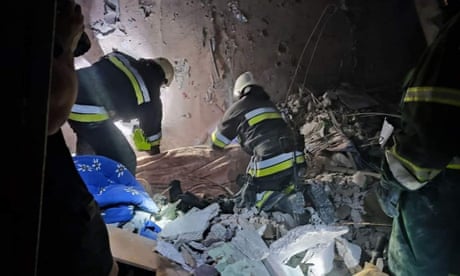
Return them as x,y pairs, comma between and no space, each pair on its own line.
226,130
427,143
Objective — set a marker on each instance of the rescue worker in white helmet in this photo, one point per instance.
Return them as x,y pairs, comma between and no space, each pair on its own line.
120,87
420,184
260,129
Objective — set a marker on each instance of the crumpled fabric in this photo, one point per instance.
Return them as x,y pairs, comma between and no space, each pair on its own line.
114,188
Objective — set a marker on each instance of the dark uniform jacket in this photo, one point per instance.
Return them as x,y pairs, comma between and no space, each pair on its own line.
120,86
262,132
421,172
429,140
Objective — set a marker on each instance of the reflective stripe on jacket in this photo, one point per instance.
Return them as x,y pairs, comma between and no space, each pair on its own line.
411,176
140,89
275,164
433,94
429,140
252,118
260,114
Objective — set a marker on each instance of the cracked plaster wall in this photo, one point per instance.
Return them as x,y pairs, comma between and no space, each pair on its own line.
353,42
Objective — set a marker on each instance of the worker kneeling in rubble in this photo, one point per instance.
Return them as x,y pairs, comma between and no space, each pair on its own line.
276,150
119,87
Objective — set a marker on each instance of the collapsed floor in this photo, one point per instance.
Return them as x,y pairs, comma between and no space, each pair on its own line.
343,224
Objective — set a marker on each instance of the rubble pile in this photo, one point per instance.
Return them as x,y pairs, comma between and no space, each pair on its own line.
341,230
252,243
342,131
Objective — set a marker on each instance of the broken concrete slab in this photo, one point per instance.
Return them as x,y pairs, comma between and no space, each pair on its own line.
349,252
225,254
246,267
190,227
169,251
251,244
304,237
320,259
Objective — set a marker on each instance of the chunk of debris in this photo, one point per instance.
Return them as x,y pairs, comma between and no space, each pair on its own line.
111,11
191,226
304,237
234,8
251,244
169,251
349,252
101,27
147,7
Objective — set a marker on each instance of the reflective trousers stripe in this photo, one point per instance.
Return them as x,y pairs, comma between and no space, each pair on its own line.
155,139
266,195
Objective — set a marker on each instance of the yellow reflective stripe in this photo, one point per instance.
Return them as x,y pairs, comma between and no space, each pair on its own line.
216,141
453,166
155,139
267,195
257,119
289,189
88,118
422,174
131,77
442,95
275,168
155,143
264,198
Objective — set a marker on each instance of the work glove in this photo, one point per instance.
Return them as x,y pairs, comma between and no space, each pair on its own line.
388,192
246,196
139,140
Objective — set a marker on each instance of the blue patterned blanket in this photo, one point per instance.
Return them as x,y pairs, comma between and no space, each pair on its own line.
114,188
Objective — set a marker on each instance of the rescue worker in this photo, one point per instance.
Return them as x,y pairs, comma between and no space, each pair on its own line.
420,186
119,87
263,133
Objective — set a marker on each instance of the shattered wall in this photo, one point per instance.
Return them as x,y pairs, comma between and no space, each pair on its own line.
286,43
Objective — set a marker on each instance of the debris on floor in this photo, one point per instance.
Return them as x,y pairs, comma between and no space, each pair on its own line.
342,232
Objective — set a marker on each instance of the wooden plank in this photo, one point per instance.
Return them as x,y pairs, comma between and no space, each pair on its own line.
133,249
138,251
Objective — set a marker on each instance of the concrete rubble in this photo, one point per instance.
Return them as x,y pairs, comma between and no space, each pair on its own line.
338,236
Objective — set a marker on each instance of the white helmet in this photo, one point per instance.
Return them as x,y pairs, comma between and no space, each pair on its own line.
167,68
243,81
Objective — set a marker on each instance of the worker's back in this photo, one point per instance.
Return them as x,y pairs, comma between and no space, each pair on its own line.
261,128
106,84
